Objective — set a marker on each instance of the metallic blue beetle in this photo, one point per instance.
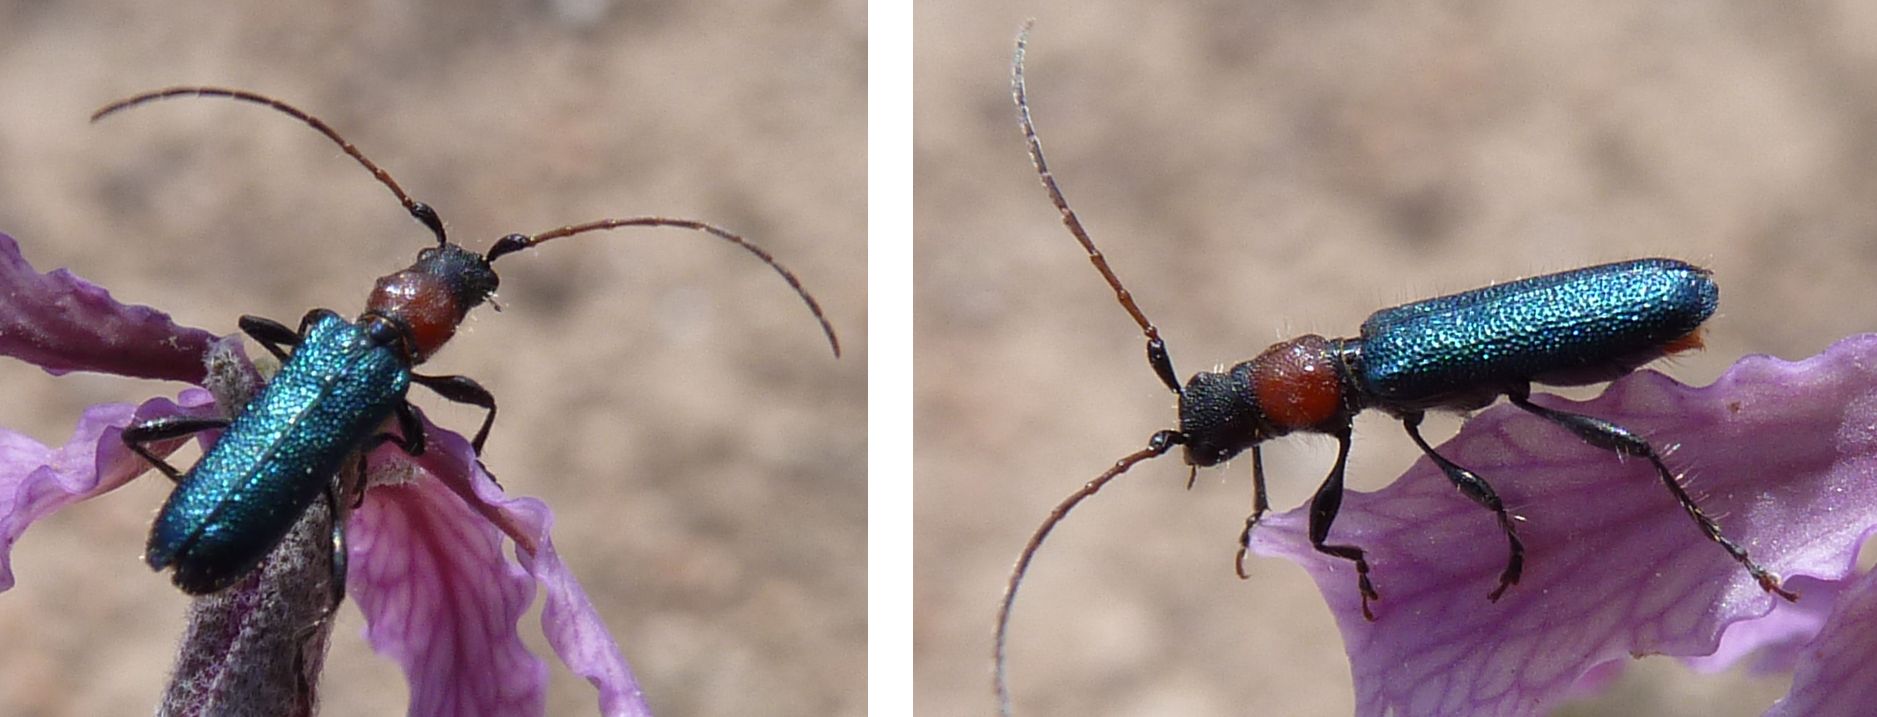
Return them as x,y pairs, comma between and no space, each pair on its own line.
278,455
1457,352
333,392
339,383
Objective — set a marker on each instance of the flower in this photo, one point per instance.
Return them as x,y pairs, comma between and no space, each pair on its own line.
1784,454
426,560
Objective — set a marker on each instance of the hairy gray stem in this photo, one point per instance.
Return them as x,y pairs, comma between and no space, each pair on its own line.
257,648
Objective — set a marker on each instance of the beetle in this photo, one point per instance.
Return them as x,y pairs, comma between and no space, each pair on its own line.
1458,352
340,381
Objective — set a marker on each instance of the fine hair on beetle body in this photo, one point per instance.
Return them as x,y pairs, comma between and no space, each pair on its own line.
339,384
1454,353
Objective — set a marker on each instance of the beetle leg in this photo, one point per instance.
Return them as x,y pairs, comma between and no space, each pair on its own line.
1609,436
271,334
1476,488
158,429
1258,507
411,427
1323,507
339,552
358,498
412,442
313,316
338,563
463,389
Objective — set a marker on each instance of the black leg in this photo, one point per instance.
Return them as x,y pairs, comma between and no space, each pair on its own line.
339,554
159,429
412,428
1323,507
358,498
312,316
271,334
1259,504
1476,488
1609,436
412,442
337,563
463,389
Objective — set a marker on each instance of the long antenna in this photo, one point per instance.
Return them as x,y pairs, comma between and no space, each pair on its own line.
1156,348
1157,446
517,242
419,210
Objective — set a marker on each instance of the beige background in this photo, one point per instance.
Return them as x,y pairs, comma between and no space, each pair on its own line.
1259,170
663,391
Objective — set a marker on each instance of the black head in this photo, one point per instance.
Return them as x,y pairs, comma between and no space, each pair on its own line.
468,275
1220,417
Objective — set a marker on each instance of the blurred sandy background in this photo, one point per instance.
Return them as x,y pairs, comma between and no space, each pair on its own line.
663,391
1259,170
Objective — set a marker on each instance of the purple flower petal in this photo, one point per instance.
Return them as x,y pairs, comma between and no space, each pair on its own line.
456,485
573,627
62,323
439,598
36,479
1784,454
1833,678
1774,642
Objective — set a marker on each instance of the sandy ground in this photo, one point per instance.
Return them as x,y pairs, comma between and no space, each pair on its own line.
663,391
1259,170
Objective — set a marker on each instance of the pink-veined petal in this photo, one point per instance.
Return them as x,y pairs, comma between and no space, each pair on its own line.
1784,454
573,627
62,323
440,598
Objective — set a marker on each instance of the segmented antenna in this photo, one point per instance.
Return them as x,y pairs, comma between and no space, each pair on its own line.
419,210
1156,348
517,242
1156,447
